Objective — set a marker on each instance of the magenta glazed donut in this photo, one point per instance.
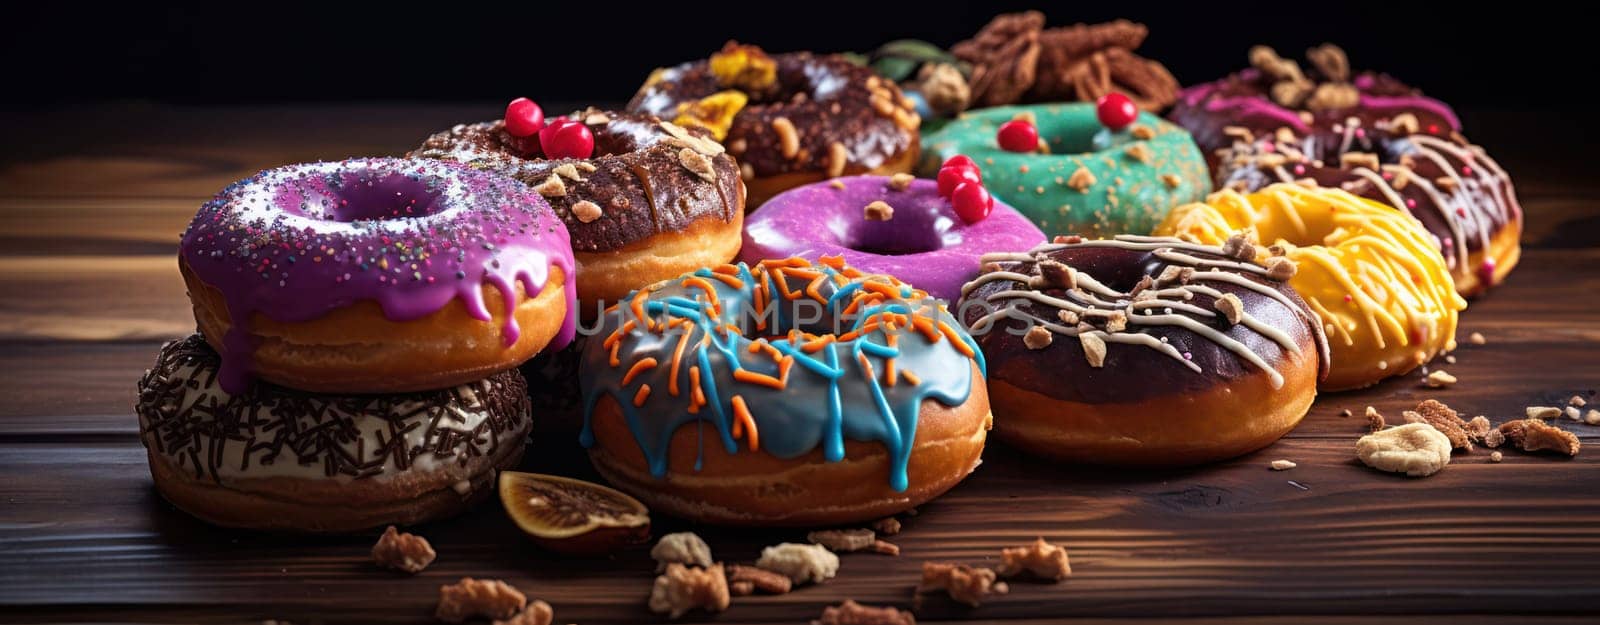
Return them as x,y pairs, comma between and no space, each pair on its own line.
890,225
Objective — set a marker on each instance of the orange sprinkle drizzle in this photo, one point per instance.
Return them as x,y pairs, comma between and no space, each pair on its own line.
644,364
643,394
743,422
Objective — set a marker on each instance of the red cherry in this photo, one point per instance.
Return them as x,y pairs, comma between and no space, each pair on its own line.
523,118
566,138
952,175
1018,136
1115,111
971,201
960,160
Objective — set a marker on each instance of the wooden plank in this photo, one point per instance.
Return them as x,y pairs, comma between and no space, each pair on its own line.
1231,539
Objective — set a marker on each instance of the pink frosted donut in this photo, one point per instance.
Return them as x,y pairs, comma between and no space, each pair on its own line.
922,241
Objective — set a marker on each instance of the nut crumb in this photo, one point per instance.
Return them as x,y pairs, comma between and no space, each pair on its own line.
1496,456
1374,419
844,541
1476,338
586,211
1238,246
1404,124
1171,180
966,584
685,548
681,589
745,580
901,182
1577,400
1231,307
1094,349
1542,412
1038,337
1141,131
837,184
838,157
1081,180
852,613
887,526
878,210
470,597
1040,558
788,137
1140,152
552,187
802,564
537,613
568,171
1415,449
1478,428
1282,465
1536,435
1573,413
1439,378
697,164
1592,417
402,552
1281,269
1440,417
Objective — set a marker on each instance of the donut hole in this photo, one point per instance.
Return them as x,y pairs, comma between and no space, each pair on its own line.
366,196
909,232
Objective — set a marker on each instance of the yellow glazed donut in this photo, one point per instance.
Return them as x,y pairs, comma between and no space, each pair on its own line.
1370,272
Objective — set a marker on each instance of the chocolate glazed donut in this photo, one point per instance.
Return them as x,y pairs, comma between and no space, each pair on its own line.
657,200
1144,351
1373,136
818,117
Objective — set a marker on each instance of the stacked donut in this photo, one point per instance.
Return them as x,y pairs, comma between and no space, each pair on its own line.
360,324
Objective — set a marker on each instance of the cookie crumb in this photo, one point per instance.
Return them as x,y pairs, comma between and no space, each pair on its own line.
1039,558
1592,417
586,211
1536,435
537,613
1283,465
1542,412
844,541
1038,337
901,182
681,589
852,613
1415,449
685,548
1496,456
878,210
1439,378
802,564
887,526
745,580
1081,180
1231,307
470,597
965,584
402,552
1374,419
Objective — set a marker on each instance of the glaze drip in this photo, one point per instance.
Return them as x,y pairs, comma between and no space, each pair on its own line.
681,352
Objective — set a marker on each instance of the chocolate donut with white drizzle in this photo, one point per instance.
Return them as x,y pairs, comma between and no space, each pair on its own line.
1144,351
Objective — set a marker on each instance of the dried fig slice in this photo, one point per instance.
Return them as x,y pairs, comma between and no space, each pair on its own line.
573,516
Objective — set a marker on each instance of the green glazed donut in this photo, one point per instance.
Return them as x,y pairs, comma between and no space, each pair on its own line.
1133,177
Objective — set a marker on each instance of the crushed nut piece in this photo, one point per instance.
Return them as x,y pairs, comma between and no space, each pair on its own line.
1140,152
1572,413
1542,412
878,210
1331,96
1231,307
1496,456
1038,337
1039,558
1494,439
803,564
1374,419
838,157
1239,246
552,187
1281,269
1094,349
788,137
889,526
1171,180
1141,131
1476,338
1592,417
1439,378
1536,435
402,552
1359,159
843,541
586,211
1443,419
966,584
683,548
537,613
469,597
1058,275
852,613
1174,274
1081,180
568,171
697,163
757,579
1116,321
1415,449
901,182
681,589
1068,317
1478,428
1282,465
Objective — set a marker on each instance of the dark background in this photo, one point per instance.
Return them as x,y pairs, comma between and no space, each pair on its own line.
1505,55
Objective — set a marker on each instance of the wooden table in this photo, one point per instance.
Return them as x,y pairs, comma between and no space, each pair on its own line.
91,204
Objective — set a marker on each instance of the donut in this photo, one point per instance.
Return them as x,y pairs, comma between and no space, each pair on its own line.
790,119
1371,273
1143,351
915,236
1388,144
1086,178
652,201
784,393
274,458
377,276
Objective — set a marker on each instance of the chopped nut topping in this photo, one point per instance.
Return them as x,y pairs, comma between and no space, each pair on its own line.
738,146
1058,275
586,211
1139,152
537,613
1476,338
1282,465
1231,307
1306,117
1350,160
552,187
1280,268
1439,378
1172,180
878,210
1404,124
788,137
1174,274
901,182
1446,184
887,526
1440,417
1494,439
1330,96
852,613
1094,349
681,589
1536,435
1039,558
1374,419
844,541
838,157
1068,317
1592,417
1117,321
1415,449
757,579
1496,456
681,135
697,163
1081,180
1239,246
469,597
1038,338
1026,116
402,552
1141,131
801,563
685,548
1239,133
568,171
1542,412
966,584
